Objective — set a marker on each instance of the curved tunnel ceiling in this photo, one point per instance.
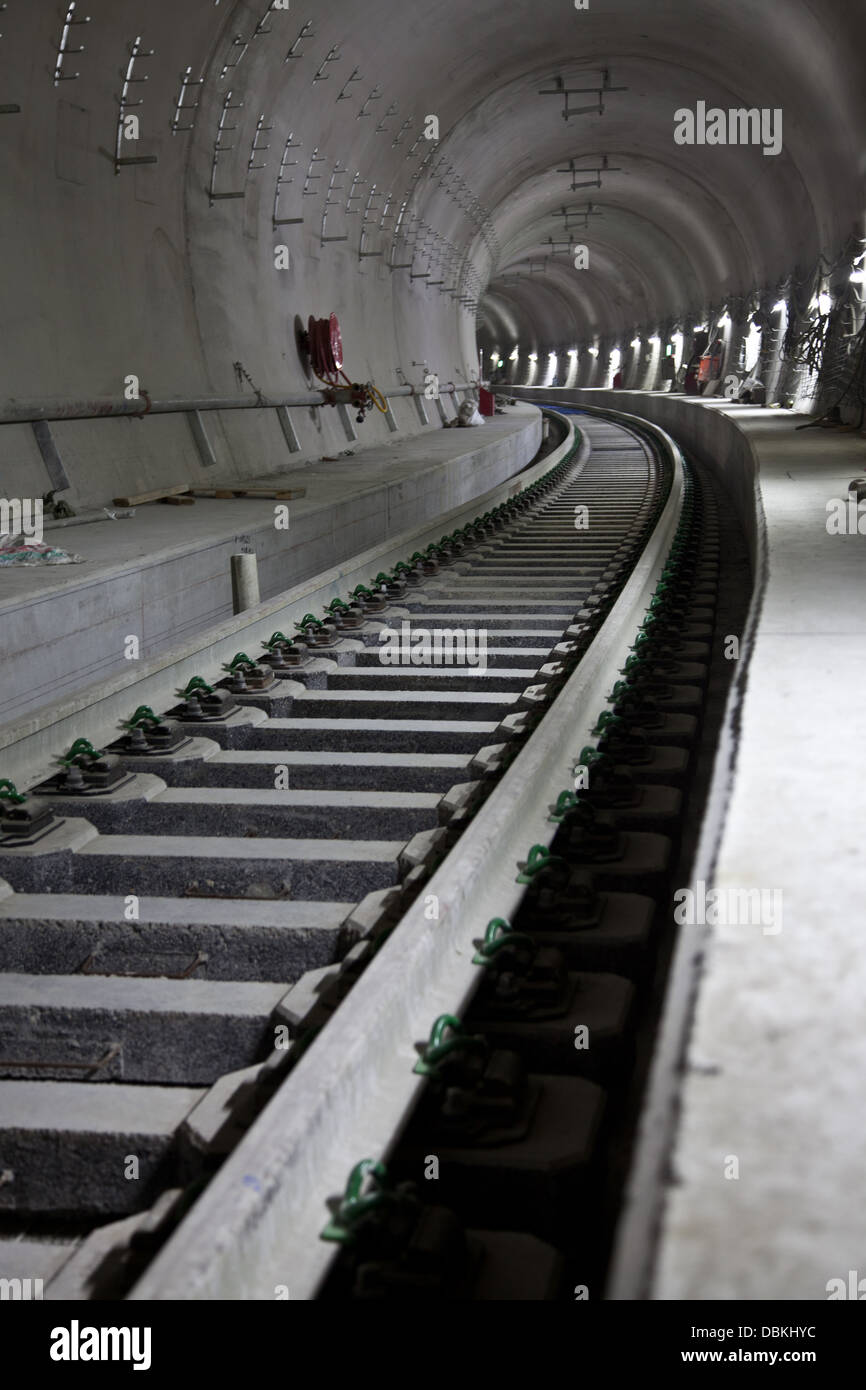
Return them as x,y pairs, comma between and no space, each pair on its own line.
264,125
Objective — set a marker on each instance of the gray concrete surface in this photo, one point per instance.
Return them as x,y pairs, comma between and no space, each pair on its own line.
146,270
239,811
69,1144
29,1259
61,933
774,1062
158,279
168,1032
164,575
355,1082
29,748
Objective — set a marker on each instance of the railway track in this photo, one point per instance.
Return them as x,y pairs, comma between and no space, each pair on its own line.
194,907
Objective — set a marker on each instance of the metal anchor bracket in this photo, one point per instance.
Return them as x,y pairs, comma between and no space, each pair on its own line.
354,76
398,138
306,33
392,111
357,181
559,89
63,48
285,163
136,55
256,147
186,81
332,56
315,158
219,149
238,42
375,95
261,27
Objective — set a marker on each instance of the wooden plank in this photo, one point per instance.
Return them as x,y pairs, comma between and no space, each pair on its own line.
287,492
256,493
158,493
176,501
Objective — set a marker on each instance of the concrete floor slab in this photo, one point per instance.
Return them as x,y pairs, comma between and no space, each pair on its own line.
776,1056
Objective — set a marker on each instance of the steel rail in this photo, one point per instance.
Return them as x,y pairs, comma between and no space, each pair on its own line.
257,1226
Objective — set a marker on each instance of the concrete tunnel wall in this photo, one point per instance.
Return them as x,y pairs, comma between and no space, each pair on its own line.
160,257
134,269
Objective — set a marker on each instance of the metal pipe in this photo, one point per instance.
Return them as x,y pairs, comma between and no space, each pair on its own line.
25,412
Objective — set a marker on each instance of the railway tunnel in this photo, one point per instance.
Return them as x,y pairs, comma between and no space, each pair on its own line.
431,454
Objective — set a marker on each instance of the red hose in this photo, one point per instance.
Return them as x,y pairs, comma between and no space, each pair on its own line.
326,349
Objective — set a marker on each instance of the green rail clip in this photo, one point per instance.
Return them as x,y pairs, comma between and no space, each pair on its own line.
355,1203
81,748
440,1047
500,933
539,858
197,683
143,715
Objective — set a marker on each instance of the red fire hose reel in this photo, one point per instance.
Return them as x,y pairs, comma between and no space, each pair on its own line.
710,367
324,345
326,348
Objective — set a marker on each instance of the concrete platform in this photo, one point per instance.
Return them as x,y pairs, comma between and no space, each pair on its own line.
777,1056
165,573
